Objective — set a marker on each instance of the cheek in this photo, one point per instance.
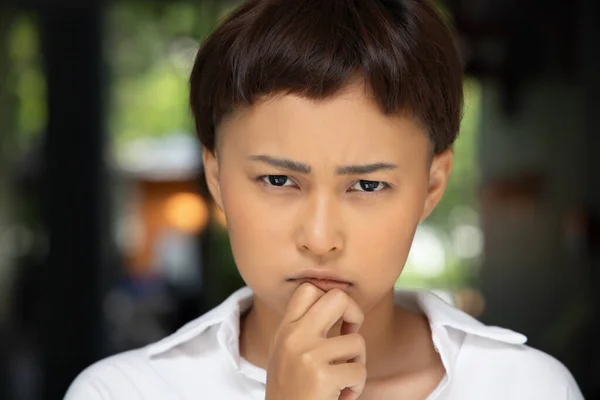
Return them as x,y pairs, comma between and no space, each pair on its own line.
399,234
385,236
253,222
257,231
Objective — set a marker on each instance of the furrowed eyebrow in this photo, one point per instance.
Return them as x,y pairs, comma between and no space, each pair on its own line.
364,169
282,163
302,168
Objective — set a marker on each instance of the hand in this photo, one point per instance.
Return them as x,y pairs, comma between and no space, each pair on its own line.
306,365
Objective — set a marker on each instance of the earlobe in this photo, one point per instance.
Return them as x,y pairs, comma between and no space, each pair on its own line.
439,174
211,173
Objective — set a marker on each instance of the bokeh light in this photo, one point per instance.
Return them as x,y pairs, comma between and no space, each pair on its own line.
186,212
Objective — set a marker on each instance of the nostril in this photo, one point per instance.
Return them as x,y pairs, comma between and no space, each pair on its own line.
306,248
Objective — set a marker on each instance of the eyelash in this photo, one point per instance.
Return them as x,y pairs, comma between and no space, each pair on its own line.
264,180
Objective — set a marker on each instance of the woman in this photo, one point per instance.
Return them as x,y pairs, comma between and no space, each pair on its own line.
327,128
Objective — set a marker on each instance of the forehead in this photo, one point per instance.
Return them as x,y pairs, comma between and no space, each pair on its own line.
348,123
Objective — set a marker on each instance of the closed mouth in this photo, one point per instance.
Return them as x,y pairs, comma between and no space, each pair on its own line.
324,284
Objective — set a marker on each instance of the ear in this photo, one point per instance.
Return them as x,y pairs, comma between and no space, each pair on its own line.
211,173
439,174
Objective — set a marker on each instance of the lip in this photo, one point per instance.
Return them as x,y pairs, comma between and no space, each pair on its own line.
324,280
325,284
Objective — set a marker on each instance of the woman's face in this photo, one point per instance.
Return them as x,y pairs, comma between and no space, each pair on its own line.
323,189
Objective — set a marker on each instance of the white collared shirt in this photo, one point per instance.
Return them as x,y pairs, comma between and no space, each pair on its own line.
202,361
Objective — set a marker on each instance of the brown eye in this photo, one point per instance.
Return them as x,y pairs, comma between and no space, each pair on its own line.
277,180
369,186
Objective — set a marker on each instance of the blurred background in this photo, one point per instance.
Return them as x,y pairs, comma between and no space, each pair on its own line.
108,240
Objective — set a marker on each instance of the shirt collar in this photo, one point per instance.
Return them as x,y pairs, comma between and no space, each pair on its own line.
226,315
444,319
449,326
441,314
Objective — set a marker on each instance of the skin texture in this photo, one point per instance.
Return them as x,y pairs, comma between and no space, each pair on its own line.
333,188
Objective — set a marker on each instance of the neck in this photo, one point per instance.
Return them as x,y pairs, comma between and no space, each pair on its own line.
381,330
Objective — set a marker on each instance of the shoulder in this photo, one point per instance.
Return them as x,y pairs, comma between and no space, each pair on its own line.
168,368
524,369
489,361
116,377
157,371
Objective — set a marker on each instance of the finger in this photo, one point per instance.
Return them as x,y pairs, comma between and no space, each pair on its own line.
302,300
328,310
348,394
348,328
344,348
349,378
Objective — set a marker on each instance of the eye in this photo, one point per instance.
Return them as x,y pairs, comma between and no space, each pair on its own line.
369,186
277,180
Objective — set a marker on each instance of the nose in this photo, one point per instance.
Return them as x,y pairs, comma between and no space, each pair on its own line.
320,230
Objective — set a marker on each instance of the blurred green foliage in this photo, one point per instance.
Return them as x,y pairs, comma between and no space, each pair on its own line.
150,48
460,193
25,82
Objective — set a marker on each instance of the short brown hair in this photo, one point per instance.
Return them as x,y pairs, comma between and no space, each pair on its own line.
403,50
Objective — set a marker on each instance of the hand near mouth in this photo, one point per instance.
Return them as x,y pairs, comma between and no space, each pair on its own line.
303,363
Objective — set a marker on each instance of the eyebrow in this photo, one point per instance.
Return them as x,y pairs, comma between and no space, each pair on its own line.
282,163
302,168
364,169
